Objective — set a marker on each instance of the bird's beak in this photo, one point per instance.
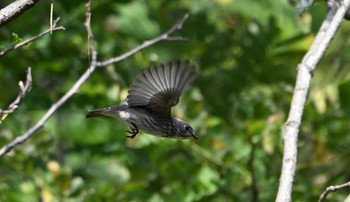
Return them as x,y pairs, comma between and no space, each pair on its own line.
194,135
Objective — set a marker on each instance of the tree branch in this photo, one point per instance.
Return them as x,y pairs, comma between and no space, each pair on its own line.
333,189
25,42
16,103
164,37
91,47
305,71
94,64
15,9
332,3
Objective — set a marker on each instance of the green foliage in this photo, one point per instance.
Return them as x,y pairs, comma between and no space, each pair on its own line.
246,52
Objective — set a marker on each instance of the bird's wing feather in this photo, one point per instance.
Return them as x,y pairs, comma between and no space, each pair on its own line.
160,87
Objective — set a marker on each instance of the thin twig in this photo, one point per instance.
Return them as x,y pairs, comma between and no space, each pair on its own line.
25,42
51,16
333,188
21,139
91,47
164,37
305,71
24,88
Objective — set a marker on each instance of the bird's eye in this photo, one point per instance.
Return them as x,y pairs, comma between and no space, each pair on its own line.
187,127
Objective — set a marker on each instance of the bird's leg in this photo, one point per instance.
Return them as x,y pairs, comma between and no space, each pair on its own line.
134,131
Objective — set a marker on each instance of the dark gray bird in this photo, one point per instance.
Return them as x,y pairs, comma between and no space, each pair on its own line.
150,98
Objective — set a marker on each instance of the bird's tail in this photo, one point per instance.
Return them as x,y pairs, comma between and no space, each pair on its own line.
108,111
95,113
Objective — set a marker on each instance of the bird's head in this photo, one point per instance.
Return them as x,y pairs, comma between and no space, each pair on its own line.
184,130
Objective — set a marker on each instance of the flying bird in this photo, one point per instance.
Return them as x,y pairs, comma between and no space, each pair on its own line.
147,107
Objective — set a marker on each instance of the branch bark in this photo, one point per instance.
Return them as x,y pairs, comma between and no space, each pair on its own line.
333,189
15,9
24,88
25,42
94,64
166,37
305,71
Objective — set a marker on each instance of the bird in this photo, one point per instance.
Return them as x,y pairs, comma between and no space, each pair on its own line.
147,107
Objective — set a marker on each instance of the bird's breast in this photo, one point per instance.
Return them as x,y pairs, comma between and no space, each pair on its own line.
150,122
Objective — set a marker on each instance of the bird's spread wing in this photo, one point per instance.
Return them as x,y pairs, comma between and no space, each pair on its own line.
160,87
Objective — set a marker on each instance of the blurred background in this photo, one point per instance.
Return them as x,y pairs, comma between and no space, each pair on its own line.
246,52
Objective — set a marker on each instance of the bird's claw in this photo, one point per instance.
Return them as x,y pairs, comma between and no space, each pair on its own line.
134,131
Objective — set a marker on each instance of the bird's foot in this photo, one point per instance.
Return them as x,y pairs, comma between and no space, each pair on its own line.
134,131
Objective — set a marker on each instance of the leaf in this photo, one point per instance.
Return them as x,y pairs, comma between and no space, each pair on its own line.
3,117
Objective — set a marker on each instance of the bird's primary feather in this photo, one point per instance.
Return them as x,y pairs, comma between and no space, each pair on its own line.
160,87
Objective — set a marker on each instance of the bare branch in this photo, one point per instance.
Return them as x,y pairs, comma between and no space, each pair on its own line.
15,9
23,90
25,42
51,16
305,72
91,47
333,189
21,139
164,37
